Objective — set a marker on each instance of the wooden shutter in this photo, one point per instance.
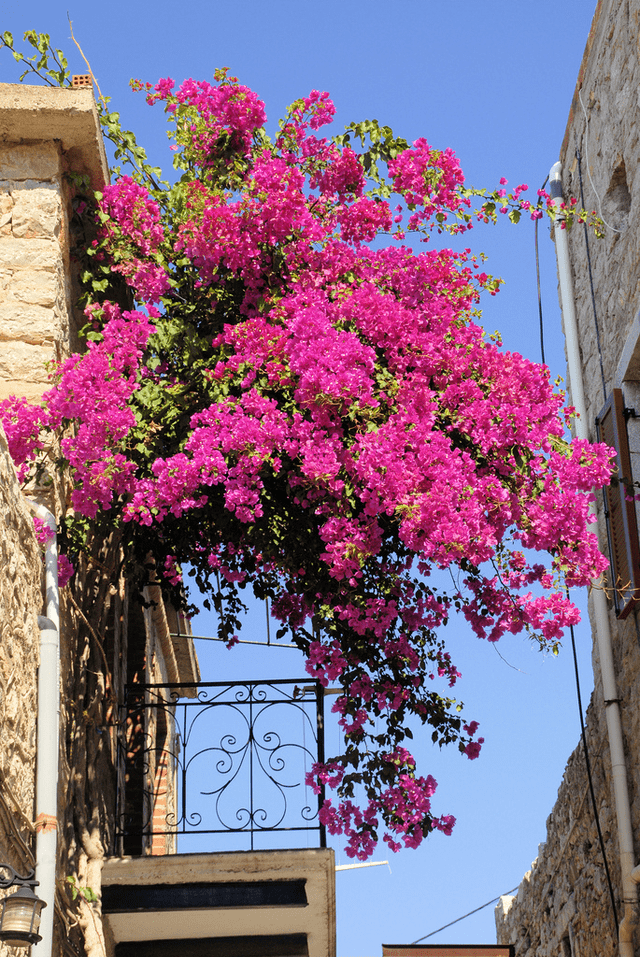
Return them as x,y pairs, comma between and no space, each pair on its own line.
620,514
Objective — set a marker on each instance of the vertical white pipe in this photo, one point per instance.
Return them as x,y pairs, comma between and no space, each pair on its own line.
48,739
601,611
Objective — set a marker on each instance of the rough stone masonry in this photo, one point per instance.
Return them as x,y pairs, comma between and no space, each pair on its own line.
45,135
563,906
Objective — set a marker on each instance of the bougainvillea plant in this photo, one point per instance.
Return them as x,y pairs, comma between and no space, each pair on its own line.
296,403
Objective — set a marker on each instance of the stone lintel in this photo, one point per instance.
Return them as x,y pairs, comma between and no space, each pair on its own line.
40,113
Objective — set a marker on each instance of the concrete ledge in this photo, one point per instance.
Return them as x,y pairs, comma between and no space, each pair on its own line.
313,869
224,866
40,113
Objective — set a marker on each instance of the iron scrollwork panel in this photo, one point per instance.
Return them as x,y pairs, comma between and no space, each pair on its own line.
230,757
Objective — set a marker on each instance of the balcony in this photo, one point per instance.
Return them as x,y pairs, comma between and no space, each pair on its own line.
220,849
246,904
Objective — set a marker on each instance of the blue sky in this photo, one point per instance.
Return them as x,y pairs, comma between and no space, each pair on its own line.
494,80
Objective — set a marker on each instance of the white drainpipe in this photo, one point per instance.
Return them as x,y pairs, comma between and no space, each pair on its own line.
603,629
48,739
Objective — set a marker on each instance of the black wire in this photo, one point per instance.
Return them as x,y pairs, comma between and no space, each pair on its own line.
535,233
593,803
573,639
458,919
593,296
590,779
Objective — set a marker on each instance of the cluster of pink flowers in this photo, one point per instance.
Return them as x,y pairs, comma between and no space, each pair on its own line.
330,773
138,217
472,748
171,571
66,571
325,421
205,112
429,180
93,392
22,423
43,532
405,807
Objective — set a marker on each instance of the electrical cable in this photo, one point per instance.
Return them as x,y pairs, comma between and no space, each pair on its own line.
586,150
535,234
593,296
241,641
458,919
590,779
595,814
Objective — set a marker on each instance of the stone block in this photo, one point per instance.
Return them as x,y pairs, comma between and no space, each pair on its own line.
32,253
48,115
35,324
37,213
31,391
39,161
6,206
31,287
20,360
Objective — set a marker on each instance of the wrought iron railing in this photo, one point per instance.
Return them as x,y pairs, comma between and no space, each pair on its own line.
217,758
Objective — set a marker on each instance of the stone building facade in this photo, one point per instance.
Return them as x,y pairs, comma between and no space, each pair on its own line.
50,143
564,903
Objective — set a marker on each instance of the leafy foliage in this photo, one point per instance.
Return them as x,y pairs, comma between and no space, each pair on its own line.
48,63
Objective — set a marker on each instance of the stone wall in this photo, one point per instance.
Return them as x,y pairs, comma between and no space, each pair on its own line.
20,603
602,143
563,905
45,135
34,293
49,137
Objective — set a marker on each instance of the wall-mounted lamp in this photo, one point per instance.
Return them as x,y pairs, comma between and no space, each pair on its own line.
20,911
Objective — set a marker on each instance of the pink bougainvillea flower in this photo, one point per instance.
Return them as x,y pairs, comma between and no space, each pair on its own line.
297,403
